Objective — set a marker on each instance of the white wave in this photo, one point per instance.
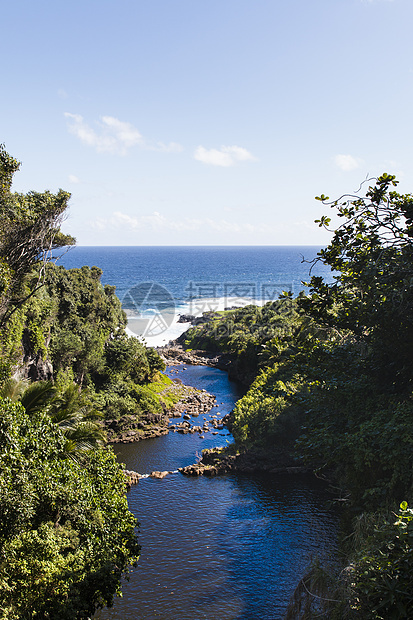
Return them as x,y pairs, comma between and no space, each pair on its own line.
160,328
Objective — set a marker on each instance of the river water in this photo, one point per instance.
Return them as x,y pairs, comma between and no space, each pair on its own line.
231,547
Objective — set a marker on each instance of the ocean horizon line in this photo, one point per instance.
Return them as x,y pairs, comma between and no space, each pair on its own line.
284,245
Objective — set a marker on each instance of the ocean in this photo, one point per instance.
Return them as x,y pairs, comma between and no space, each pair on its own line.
158,284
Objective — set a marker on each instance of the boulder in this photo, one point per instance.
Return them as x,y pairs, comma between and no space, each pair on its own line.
131,477
159,474
186,318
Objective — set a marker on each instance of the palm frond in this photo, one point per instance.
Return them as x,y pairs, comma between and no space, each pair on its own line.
13,388
38,396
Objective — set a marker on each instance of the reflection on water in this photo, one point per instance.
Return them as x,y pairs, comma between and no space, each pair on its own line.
225,548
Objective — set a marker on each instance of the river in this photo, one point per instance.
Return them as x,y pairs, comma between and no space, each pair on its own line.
231,547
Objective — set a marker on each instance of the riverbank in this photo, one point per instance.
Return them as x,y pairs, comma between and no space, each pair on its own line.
232,458
174,353
217,461
190,402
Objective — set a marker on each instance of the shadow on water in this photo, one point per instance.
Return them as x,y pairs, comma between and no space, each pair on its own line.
226,548
280,523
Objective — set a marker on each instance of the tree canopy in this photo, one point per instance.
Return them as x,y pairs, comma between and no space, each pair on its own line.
29,231
66,534
371,254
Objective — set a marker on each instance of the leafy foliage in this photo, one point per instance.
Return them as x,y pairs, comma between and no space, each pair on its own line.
79,326
66,534
29,231
338,384
86,315
382,574
340,380
250,335
371,253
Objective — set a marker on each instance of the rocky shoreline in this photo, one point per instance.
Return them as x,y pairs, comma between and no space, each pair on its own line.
217,461
191,403
174,353
133,477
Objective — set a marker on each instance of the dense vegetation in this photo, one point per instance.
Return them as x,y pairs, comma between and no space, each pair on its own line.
249,336
334,381
330,377
66,534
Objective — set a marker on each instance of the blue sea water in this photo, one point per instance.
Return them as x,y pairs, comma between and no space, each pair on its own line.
157,284
211,270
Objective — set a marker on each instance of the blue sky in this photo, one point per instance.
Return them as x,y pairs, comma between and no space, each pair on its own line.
205,122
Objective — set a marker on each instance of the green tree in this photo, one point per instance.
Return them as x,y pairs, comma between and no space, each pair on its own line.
66,534
371,255
71,410
87,316
382,573
74,412
29,232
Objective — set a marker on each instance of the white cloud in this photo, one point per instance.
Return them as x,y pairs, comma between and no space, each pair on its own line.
113,136
73,178
347,162
226,156
158,222
124,133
